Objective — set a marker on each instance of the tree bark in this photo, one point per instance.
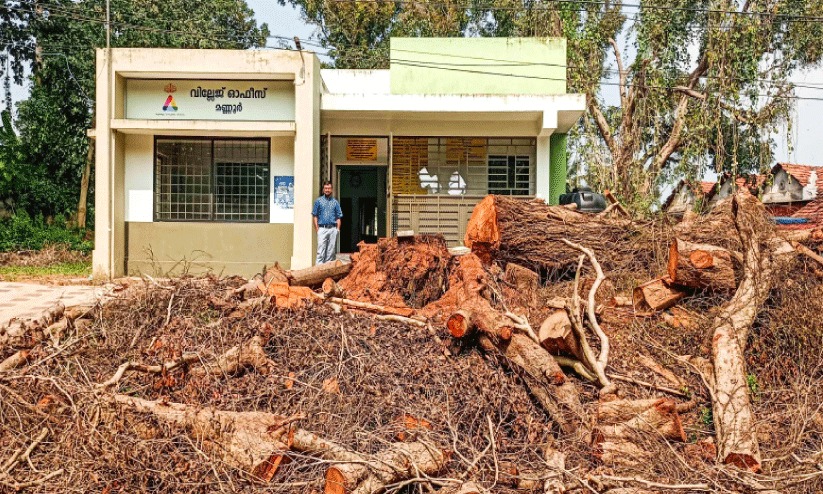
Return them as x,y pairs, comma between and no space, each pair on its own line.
558,338
701,266
544,378
249,355
522,283
402,461
657,294
530,233
84,187
765,254
314,276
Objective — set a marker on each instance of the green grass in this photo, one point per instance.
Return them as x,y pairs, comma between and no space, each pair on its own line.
78,269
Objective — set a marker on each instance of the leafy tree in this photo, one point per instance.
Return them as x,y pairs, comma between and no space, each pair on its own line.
357,33
699,83
53,121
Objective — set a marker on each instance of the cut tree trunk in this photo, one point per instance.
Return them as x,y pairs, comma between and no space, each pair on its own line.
479,314
764,255
530,233
522,284
251,441
26,334
285,296
332,289
701,266
656,295
314,276
556,336
619,421
400,462
543,376
257,442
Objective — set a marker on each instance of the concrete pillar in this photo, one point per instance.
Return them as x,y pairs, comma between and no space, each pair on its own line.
542,168
306,162
103,213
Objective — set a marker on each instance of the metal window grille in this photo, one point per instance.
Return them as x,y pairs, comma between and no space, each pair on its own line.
463,165
211,180
509,175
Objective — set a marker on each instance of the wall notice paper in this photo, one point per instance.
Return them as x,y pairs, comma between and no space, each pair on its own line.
361,150
284,192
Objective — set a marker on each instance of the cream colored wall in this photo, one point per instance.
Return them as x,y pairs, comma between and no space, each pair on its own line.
429,128
124,158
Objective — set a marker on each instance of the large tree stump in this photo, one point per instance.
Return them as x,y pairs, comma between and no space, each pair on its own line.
701,266
530,233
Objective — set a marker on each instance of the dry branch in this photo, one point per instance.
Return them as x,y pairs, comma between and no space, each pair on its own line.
249,355
591,306
380,309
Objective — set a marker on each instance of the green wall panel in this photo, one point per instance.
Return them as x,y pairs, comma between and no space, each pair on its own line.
558,166
478,66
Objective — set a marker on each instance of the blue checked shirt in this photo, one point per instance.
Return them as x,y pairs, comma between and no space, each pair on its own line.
327,211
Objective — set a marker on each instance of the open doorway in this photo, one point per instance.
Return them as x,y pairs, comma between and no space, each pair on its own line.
362,195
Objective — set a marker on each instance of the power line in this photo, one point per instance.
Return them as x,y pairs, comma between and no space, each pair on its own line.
439,65
601,3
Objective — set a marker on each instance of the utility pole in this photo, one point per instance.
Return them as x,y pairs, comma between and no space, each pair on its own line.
108,24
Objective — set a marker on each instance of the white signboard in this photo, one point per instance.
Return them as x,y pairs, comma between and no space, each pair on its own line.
175,99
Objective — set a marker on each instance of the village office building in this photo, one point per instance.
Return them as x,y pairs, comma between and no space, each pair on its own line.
212,159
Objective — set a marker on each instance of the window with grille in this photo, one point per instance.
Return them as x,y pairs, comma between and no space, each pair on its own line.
463,165
211,180
509,175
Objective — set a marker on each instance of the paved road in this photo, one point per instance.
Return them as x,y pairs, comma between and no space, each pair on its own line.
27,300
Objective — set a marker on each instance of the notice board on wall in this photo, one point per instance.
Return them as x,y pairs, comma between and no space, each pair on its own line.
361,149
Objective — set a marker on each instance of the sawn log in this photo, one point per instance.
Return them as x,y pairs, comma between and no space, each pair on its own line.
314,276
701,266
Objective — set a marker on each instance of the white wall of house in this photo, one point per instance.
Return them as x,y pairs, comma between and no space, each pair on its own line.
282,164
139,170
784,188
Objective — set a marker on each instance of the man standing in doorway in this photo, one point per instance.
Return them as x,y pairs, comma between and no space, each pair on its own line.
327,214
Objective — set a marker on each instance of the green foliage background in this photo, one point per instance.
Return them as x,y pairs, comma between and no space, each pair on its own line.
42,161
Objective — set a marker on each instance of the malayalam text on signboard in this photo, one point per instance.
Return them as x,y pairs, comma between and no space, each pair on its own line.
361,150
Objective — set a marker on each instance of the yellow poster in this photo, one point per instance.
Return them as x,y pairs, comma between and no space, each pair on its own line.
361,150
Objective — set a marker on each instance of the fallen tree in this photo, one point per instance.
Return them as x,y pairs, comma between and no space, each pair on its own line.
257,442
530,233
765,255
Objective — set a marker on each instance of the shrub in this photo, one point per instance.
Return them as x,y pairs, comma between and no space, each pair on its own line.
22,232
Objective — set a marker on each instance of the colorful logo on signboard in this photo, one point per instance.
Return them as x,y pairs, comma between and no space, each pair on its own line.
170,105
